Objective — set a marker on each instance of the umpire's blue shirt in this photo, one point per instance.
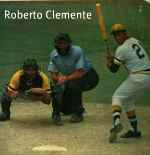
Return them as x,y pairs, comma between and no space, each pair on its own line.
67,64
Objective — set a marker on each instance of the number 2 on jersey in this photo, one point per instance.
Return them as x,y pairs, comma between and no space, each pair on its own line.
138,51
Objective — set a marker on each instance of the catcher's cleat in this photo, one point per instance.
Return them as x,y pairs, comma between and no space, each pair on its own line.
76,118
131,134
114,132
4,116
57,120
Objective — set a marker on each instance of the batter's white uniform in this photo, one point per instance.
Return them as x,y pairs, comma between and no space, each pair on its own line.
133,56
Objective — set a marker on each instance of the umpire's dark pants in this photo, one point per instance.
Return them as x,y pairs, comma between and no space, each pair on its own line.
69,100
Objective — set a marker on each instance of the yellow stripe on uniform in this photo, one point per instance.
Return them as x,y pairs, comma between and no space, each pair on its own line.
14,81
46,83
116,108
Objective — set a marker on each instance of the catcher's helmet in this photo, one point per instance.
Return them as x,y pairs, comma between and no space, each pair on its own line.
30,63
118,28
63,36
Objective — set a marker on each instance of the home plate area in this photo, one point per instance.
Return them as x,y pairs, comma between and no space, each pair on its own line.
31,131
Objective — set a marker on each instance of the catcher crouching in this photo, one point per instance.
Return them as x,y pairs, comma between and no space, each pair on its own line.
29,82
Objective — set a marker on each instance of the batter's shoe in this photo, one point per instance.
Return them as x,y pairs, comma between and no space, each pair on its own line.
114,132
131,134
4,116
57,120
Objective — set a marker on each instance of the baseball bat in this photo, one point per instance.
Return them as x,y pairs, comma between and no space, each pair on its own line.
102,27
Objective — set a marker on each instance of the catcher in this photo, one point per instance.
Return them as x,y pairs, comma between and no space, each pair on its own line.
30,82
132,55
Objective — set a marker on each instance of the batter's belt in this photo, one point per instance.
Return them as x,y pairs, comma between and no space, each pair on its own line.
145,71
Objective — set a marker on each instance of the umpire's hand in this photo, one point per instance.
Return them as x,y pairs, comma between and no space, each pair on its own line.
62,79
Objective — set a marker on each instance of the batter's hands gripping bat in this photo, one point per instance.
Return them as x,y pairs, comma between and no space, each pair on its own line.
102,27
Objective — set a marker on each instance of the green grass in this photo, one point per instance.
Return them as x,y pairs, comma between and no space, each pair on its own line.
21,39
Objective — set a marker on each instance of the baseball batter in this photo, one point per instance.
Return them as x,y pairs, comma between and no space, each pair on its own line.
132,55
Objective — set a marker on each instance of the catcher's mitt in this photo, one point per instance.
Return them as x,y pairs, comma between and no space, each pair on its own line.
39,94
35,91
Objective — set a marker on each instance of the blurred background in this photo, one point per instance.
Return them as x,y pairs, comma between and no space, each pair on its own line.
20,39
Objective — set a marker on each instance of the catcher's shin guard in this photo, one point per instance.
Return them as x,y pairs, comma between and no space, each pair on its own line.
5,107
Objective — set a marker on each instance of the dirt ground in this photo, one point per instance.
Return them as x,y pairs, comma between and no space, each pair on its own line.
31,126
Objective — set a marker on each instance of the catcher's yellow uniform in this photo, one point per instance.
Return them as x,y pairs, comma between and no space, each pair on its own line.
21,82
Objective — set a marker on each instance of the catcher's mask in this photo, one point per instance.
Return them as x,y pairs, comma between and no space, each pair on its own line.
62,43
30,64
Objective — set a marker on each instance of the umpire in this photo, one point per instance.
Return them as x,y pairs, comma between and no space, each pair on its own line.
71,74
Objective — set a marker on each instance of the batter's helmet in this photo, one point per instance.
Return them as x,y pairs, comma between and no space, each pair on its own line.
118,28
63,36
30,63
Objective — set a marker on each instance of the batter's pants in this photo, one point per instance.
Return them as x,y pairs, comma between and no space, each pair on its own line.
126,93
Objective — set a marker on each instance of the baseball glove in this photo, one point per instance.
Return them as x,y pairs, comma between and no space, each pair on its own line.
39,94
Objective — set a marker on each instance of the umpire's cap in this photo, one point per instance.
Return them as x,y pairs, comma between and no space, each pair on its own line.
30,63
62,36
118,28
